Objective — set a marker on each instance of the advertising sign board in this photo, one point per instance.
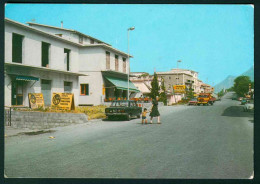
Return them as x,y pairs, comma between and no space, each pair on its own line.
63,101
36,100
179,88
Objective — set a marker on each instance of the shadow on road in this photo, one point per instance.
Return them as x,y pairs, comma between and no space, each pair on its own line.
236,111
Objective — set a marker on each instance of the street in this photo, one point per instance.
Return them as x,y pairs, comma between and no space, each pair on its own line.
192,142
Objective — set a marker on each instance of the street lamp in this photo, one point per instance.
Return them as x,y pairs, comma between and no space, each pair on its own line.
129,29
177,72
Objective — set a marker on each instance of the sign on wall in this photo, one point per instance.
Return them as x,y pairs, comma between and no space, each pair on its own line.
179,88
36,100
63,101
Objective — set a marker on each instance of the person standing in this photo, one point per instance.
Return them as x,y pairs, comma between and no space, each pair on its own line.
155,111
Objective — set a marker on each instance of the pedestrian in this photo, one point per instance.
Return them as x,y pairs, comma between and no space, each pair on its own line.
155,111
144,116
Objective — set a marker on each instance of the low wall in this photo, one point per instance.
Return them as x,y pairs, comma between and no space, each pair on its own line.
44,120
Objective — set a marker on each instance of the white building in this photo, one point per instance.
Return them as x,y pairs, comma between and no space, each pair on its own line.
38,62
142,82
61,60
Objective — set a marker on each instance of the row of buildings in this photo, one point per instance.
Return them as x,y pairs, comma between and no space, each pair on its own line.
170,78
46,59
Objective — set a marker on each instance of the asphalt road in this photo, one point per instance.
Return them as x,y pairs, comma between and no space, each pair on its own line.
192,142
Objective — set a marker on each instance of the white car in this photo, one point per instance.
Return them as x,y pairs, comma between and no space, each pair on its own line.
249,106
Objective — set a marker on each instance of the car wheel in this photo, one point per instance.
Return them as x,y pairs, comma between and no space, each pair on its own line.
128,117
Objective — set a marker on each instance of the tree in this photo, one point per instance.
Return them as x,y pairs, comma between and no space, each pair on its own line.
221,93
163,97
190,93
155,87
241,85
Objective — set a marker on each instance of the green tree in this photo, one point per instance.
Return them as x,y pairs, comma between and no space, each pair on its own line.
190,93
155,87
163,97
241,85
221,93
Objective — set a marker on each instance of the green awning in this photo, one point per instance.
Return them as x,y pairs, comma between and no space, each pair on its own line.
26,78
122,84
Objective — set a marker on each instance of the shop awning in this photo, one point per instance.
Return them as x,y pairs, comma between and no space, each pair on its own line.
26,78
122,84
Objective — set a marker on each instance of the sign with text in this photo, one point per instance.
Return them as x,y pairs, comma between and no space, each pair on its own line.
63,101
179,88
36,100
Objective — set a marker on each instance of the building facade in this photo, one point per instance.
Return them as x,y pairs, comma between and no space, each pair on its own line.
38,62
46,59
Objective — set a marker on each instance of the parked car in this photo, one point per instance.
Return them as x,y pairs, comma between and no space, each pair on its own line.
193,101
249,106
123,108
244,101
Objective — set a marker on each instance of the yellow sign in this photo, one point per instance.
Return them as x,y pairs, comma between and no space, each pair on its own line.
103,90
63,101
179,88
36,100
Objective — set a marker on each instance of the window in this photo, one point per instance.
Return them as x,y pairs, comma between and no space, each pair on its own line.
91,41
124,65
45,54
67,59
67,87
116,62
80,39
84,89
107,60
17,48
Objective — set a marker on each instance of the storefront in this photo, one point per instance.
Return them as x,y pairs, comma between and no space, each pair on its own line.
116,86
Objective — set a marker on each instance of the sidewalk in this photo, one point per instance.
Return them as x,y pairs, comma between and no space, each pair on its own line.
10,131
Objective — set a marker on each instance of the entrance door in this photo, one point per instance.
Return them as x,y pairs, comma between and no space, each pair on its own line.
17,92
46,91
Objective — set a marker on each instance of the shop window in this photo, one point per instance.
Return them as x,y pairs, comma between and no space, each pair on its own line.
107,60
84,89
116,62
124,65
17,48
67,59
45,54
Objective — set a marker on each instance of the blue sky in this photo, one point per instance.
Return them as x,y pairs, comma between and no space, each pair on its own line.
214,40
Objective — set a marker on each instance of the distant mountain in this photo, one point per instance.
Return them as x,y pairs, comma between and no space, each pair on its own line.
229,81
225,84
249,73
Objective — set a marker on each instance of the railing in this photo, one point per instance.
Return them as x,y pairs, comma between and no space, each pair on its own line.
8,116
8,113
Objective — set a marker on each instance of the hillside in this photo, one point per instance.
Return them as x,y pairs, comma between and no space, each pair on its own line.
229,81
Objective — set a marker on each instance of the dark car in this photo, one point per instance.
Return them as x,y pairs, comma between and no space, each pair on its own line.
244,101
193,101
123,108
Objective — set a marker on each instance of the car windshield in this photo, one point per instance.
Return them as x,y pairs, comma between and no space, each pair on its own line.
119,104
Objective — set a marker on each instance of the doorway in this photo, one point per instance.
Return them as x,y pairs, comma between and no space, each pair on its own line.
17,92
46,91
